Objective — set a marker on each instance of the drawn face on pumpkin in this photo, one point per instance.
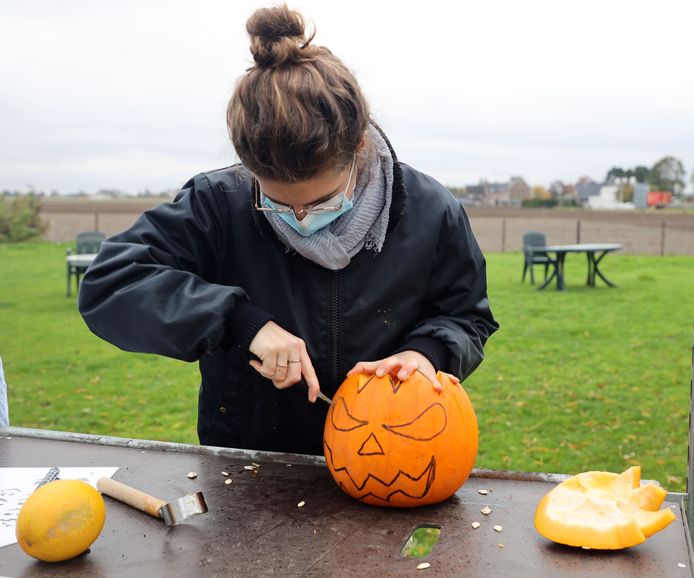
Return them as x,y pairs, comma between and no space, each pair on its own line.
382,439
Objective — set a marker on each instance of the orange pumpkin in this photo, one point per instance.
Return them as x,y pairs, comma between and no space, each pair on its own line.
400,443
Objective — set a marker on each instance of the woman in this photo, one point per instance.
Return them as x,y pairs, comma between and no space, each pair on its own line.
318,255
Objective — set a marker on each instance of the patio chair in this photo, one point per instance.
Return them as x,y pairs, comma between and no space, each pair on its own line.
88,243
532,257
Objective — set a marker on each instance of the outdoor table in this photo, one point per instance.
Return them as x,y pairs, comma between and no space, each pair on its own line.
81,260
255,526
76,266
595,252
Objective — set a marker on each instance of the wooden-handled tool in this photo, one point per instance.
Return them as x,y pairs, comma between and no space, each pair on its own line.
171,512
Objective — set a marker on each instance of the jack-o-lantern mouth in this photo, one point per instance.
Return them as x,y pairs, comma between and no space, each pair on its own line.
410,485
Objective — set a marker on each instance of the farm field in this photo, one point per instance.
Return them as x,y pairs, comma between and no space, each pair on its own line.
498,229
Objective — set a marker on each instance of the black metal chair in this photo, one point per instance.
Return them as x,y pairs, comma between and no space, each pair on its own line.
532,257
88,242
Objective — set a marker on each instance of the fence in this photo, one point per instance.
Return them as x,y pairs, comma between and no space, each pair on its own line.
643,233
496,229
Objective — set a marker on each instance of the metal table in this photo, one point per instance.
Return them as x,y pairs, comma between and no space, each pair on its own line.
595,252
254,527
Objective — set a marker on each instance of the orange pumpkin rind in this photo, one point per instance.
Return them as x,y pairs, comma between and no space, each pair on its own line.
400,443
603,510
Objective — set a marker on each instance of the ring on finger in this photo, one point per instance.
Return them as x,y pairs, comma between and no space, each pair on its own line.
294,361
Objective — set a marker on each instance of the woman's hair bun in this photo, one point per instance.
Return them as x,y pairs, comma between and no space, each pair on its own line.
277,35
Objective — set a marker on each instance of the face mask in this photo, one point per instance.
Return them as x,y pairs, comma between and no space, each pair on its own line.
314,221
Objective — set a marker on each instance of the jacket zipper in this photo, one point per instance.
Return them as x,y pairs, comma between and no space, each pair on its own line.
335,317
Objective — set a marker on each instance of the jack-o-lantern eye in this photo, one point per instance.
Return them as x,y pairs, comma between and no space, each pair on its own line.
426,426
342,420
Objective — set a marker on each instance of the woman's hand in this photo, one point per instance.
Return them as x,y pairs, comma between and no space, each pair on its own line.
401,366
283,359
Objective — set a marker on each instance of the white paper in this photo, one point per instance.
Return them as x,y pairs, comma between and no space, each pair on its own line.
17,484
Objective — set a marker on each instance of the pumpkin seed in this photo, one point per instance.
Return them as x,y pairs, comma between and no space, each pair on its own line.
681,564
498,528
255,465
476,525
249,468
483,492
225,473
486,510
192,475
500,545
227,481
423,566
301,504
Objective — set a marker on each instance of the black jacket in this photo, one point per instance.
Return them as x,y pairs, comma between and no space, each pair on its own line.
195,279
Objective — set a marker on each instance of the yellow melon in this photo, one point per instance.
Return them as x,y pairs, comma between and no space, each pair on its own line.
60,520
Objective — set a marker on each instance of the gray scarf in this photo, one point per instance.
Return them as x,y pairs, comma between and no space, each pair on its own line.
365,225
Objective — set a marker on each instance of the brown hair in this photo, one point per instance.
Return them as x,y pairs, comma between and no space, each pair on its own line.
298,110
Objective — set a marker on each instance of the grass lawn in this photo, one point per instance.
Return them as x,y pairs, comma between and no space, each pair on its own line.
576,380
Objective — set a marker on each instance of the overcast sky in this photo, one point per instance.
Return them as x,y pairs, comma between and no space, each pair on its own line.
132,94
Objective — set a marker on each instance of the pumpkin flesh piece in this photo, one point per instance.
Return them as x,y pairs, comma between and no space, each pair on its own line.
602,510
573,518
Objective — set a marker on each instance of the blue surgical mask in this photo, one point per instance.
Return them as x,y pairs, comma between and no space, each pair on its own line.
313,222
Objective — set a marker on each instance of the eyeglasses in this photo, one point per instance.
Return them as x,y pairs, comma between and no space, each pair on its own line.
325,206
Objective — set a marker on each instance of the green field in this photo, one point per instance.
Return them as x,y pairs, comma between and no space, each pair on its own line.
580,380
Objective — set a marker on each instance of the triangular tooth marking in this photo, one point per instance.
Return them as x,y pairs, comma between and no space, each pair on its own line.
395,384
363,385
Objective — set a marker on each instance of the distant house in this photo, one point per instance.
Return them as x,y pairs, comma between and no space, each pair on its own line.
609,198
474,194
586,188
519,191
562,192
511,193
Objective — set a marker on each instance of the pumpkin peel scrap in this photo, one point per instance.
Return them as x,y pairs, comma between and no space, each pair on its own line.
603,510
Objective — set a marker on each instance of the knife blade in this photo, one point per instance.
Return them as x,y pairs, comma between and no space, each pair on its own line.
52,474
321,395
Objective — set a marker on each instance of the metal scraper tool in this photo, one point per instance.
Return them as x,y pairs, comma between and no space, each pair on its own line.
171,512
321,395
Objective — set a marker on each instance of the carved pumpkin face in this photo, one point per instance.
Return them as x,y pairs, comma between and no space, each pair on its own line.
400,443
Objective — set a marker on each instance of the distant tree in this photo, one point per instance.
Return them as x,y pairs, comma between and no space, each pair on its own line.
667,175
19,218
627,192
535,203
613,174
540,192
641,174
